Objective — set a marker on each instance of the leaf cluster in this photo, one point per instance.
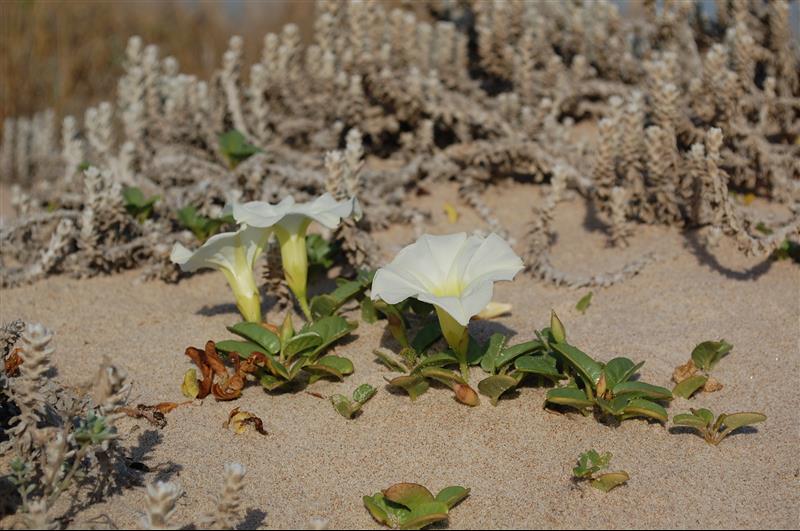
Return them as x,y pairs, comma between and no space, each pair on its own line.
412,506
328,304
288,353
201,226
606,388
705,357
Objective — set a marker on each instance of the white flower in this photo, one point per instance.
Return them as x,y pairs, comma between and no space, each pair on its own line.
453,272
235,254
290,221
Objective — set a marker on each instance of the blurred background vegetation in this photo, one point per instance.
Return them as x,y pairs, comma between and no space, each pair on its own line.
67,54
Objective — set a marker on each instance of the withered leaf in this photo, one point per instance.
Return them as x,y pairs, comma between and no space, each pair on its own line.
712,385
190,388
228,387
684,371
239,420
12,363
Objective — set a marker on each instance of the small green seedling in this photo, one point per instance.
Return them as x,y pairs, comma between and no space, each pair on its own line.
137,205
590,463
584,303
293,352
412,506
348,408
236,148
705,357
201,226
713,431
606,388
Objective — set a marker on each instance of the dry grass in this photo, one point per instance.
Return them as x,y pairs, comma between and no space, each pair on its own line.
67,54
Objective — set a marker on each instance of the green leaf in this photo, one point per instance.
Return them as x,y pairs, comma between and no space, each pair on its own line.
687,419
609,480
569,396
319,251
436,360
201,226
557,328
452,496
704,414
494,386
541,365
334,366
414,385
385,357
368,312
258,334
271,383
363,393
496,344
277,368
302,342
397,325
689,386
235,147
330,329
734,421
427,336
653,392
511,353
641,407
586,366
424,515
443,375
584,303
376,510
243,348
410,495
323,305
708,353
344,406
618,370
590,462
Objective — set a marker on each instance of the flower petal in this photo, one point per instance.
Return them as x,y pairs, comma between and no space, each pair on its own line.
493,260
219,250
393,287
262,214
326,210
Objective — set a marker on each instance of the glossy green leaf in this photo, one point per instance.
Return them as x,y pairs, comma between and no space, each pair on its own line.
641,407
302,342
509,354
687,419
343,365
689,386
344,406
331,329
617,371
414,385
424,514
496,343
654,392
323,306
494,386
243,348
609,480
408,494
452,496
569,396
584,303
257,334
277,368
704,414
376,509
708,353
583,364
271,383
541,365
443,375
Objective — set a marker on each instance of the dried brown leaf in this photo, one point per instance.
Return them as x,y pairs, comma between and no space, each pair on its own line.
684,371
12,363
239,420
712,385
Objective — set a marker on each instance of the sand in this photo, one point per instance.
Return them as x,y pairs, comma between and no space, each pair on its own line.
516,457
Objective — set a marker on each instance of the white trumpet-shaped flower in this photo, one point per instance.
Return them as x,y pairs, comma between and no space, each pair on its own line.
235,254
455,273
290,221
